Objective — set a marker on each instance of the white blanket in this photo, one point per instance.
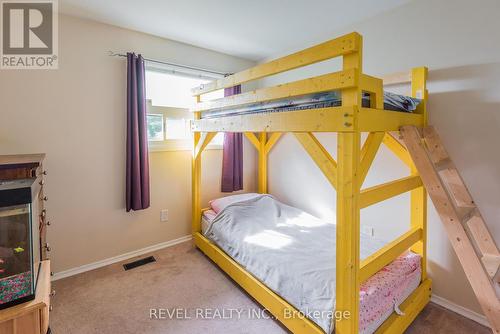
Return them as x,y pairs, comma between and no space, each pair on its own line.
290,251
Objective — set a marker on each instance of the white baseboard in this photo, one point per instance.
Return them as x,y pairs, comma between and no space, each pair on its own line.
111,260
479,318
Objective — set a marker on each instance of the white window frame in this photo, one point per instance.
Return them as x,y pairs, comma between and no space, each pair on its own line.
167,145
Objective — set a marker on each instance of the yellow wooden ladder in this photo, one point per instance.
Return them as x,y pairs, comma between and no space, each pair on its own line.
466,229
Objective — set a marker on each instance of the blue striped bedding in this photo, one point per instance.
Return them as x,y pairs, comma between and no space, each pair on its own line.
392,102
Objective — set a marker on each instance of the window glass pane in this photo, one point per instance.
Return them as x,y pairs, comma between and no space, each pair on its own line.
177,128
155,127
171,90
218,139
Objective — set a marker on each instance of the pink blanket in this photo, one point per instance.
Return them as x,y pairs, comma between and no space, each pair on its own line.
384,291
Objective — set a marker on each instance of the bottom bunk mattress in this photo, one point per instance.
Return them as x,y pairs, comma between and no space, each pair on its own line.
293,253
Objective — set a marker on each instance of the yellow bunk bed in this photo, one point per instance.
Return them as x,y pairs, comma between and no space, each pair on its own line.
346,174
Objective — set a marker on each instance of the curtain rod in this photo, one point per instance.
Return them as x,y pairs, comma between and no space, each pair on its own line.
111,53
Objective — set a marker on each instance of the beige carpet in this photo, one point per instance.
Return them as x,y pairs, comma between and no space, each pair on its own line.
110,300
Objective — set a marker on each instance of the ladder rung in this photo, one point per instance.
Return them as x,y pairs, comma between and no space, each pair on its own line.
444,164
492,265
456,187
466,213
434,146
481,236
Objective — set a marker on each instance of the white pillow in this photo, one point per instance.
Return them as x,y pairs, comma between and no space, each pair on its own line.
220,203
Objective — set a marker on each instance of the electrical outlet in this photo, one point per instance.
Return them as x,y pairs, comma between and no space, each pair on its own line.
164,215
367,229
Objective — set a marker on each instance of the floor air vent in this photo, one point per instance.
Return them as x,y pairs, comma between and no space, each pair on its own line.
139,263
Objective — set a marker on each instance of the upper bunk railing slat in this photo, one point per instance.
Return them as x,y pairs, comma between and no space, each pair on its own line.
323,83
337,47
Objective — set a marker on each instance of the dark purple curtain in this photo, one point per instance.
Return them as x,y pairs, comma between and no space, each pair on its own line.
232,158
137,188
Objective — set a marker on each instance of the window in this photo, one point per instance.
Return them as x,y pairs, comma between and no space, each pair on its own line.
168,101
177,128
155,127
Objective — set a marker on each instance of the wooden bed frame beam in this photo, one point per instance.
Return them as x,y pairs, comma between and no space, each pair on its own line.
340,46
375,120
205,139
398,149
320,156
418,197
373,86
378,260
196,180
348,210
273,139
262,171
263,145
348,229
388,190
419,90
332,119
253,139
368,152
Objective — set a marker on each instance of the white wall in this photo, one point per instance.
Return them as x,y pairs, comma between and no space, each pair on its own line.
457,40
77,115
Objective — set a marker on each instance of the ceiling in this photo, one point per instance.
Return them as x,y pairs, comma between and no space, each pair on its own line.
252,29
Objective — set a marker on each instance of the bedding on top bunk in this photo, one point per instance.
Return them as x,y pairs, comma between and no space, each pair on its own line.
293,253
392,102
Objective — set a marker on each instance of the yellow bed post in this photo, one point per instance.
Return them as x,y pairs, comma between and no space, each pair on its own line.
348,211
196,179
262,178
419,195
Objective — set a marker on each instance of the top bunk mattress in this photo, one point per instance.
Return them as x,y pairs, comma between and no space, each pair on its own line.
293,253
394,102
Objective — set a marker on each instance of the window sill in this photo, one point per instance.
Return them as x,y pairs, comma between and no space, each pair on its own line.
172,146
